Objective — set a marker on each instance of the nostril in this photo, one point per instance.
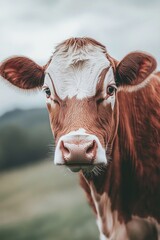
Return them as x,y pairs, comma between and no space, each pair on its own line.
91,149
65,150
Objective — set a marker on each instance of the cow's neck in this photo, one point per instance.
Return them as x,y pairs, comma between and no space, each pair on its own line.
105,198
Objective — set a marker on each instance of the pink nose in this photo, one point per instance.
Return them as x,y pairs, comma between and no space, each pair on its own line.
78,150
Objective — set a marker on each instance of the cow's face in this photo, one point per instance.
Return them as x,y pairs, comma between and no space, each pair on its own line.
80,82
80,94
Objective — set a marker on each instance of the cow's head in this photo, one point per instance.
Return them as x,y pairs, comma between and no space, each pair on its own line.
80,82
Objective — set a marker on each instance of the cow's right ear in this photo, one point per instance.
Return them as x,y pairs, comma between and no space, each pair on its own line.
22,72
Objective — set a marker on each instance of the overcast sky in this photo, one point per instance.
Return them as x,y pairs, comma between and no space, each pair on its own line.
33,27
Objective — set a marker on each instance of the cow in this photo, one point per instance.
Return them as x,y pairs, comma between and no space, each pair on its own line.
105,119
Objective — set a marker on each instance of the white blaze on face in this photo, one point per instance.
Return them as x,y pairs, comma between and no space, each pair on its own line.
75,72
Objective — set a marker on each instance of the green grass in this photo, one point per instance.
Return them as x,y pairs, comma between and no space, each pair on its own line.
44,202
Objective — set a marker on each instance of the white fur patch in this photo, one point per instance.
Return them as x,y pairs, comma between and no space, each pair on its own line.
76,72
107,220
102,237
80,131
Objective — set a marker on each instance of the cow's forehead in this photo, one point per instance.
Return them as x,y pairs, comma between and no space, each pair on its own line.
76,71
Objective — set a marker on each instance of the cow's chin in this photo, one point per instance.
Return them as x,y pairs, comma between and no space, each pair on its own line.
75,169
82,168
90,171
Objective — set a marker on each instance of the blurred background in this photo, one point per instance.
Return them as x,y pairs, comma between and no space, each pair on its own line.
37,199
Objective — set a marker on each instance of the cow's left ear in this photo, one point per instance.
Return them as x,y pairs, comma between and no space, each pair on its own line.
134,68
22,72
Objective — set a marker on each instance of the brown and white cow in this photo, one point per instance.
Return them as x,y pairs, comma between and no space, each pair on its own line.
105,118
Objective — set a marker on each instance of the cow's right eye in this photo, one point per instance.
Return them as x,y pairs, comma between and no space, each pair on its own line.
48,92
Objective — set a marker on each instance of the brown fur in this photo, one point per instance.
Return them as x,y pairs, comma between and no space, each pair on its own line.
139,143
140,67
74,114
80,43
22,72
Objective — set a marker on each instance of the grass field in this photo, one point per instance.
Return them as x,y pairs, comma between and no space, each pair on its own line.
44,202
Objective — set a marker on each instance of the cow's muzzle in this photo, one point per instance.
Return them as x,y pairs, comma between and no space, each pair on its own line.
79,151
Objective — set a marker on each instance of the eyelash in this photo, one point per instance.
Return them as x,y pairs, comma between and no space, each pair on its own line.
111,87
47,91
48,94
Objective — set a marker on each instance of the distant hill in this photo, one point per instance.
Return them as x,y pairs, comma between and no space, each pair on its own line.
25,136
26,118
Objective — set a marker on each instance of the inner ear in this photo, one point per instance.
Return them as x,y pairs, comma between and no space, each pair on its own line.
135,68
22,72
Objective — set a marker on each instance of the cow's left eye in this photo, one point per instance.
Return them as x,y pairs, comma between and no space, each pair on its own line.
48,92
111,90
